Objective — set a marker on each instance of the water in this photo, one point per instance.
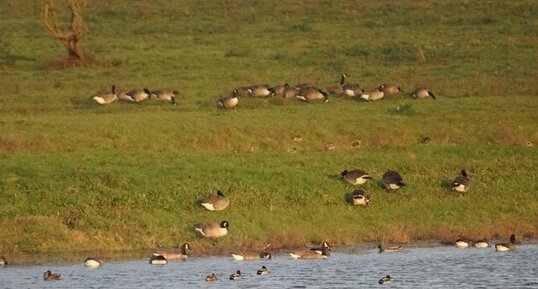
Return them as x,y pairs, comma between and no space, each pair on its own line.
422,267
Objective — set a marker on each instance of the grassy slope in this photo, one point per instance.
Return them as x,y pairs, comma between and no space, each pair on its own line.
75,176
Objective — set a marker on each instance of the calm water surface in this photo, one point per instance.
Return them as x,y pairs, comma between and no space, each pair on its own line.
422,267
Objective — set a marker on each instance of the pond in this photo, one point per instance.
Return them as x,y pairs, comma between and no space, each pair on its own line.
353,267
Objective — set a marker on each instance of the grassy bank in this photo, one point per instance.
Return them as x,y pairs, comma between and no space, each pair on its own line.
76,176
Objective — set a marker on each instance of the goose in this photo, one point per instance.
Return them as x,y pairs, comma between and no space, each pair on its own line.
236,275
311,254
263,271
392,249
261,91
355,177
385,280
216,202
212,277
330,146
312,94
422,93
3,261
290,92
461,183
157,259
138,95
503,247
213,229
229,101
182,255
305,85
392,180
49,276
122,94
279,89
242,256
92,262
375,94
462,243
359,197
480,244
106,98
338,90
391,89
319,250
166,95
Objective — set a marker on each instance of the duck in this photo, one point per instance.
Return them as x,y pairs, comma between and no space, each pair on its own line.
463,243
213,229
375,94
312,95
230,101
216,202
385,280
323,245
422,93
355,177
311,254
93,262
3,261
391,249
338,90
236,275
182,255
49,276
480,244
392,180
211,277
242,256
391,89
461,183
138,95
359,198
165,95
106,98
158,259
263,271
261,91
503,247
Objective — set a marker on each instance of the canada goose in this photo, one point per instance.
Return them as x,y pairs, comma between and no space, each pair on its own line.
216,202
462,243
355,177
385,280
422,93
481,244
263,271
261,91
212,277
391,89
319,250
236,275
280,88
213,229
157,259
229,101
351,89
392,249
106,98
242,256
311,254
356,143
359,197
49,276
182,255
290,92
503,247
312,94
461,183
3,261
138,95
330,146
338,90
375,94
122,94
166,95
305,85
92,262
392,180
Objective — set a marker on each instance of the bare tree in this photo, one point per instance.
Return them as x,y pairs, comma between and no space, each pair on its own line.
69,37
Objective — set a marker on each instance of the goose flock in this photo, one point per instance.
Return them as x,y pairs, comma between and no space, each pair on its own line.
135,95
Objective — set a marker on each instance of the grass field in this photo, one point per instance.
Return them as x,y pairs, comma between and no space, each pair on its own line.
76,176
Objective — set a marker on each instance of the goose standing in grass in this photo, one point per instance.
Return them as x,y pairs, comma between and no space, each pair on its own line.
216,202
92,262
480,244
355,177
157,259
182,255
290,92
3,261
391,89
463,243
391,249
503,247
385,280
138,95
422,93
280,88
212,277
49,276
166,95
213,229
106,98
338,90
461,183
236,275
358,198
312,95
263,271
229,101
350,89
246,256
311,254
392,180
261,91
375,94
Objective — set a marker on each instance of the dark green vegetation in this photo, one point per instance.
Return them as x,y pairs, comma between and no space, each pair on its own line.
76,176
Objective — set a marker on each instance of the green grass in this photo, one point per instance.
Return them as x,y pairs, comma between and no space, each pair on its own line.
75,176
